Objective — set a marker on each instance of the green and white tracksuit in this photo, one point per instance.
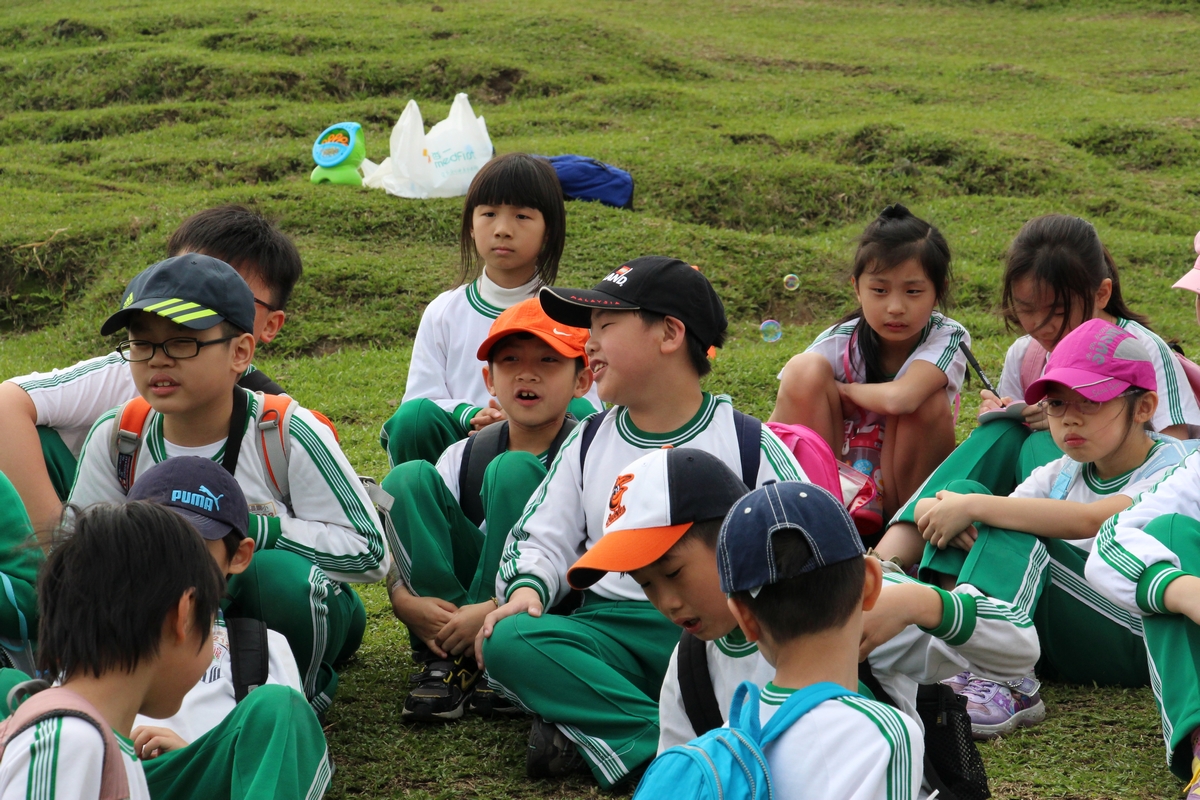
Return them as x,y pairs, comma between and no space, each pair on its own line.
445,386
439,552
68,403
982,634
20,559
1045,578
1137,555
848,747
597,673
305,554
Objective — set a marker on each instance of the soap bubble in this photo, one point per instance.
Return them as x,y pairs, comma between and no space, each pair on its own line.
791,282
771,330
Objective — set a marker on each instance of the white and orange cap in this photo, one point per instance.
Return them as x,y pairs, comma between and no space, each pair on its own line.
654,501
1191,281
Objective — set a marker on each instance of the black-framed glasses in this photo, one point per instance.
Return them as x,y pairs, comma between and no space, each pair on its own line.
265,305
1058,408
134,350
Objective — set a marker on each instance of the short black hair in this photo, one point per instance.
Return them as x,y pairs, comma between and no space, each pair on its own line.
697,352
580,361
232,541
706,532
245,240
516,179
810,602
109,583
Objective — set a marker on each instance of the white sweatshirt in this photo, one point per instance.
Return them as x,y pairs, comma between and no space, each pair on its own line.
61,759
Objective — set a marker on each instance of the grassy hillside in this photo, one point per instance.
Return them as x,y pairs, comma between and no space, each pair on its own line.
763,134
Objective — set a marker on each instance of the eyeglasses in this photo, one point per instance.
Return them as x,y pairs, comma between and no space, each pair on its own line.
183,347
1057,408
265,305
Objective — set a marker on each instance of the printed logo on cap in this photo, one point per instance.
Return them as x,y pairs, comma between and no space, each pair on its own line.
198,500
616,504
128,301
1100,347
618,276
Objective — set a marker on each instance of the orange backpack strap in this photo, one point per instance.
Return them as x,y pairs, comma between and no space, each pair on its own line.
328,423
43,704
126,440
1032,365
274,424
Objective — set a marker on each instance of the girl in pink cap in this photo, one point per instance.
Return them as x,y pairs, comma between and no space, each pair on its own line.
1098,393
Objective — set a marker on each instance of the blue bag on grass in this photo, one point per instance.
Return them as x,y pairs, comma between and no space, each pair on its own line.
585,178
728,763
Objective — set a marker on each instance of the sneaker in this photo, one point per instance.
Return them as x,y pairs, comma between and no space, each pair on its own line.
440,690
551,754
997,709
958,682
487,702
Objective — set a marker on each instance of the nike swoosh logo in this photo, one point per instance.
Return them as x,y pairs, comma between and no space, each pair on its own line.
561,333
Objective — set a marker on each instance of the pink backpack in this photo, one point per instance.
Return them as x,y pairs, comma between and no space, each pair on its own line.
841,480
59,702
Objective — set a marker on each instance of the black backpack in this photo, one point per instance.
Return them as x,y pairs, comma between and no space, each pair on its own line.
249,654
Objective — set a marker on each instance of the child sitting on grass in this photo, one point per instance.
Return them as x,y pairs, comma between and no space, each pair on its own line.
189,327
1030,548
793,566
592,678
450,522
44,417
668,544
514,226
127,605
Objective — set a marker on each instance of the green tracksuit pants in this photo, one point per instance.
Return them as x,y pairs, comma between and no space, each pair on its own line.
998,454
60,462
440,552
1173,644
1085,637
323,620
270,747
20,558
420,429
596,674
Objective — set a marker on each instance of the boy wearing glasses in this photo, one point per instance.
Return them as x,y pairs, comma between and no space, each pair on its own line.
315,530
1098,391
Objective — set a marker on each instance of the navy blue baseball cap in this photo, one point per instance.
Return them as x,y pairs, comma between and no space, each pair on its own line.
193,290
198,489
745,547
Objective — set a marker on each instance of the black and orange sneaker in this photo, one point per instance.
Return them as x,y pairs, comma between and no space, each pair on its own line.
440,690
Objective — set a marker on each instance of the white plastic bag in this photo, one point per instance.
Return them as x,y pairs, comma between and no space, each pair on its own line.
440,163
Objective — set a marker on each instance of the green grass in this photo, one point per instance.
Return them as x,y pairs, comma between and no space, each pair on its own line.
763,135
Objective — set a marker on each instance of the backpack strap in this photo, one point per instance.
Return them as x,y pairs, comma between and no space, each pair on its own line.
257,381
481,449
800,703
43,704
274,426
1062,484
1032,364
589,433
695,685
866,676
249,654
126,440
749,437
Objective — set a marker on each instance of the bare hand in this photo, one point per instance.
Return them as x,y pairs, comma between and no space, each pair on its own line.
523,601
1182,596
945,521
424,616
899,605
990,402
486,416
1035,417
458,635
849,407
151,742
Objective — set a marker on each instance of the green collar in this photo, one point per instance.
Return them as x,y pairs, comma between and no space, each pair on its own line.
734,644
692,428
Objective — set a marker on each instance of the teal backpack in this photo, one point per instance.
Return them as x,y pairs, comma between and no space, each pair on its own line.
728,763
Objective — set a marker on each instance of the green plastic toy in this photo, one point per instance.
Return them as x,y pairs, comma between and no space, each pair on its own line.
338,151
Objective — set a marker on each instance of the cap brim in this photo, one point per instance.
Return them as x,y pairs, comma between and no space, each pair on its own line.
558,345
1099,388
1190,281
189,315
574,307
624,551
209,529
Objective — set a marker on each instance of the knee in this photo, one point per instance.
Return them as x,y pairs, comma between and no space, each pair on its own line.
936,410
966,486
512,468
402,479
806,373
506,652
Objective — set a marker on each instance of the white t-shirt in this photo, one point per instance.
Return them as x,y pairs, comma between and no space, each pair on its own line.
212,699
849,748
444,366
1086,487
938,345
1176,402
62,759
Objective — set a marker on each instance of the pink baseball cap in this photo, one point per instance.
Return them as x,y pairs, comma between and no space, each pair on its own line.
1191,281
1098,360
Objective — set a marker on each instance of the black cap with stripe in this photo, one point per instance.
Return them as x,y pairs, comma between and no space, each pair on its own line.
195,291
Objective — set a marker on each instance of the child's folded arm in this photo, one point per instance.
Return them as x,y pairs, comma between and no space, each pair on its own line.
334,523
902,396
1128,565
1041,516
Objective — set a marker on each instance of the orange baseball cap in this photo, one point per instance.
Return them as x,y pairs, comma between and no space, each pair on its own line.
655,500
527,317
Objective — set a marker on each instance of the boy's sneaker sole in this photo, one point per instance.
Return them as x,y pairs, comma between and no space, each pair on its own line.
1025,718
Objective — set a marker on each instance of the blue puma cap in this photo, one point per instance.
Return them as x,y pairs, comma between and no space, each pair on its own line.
198,489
